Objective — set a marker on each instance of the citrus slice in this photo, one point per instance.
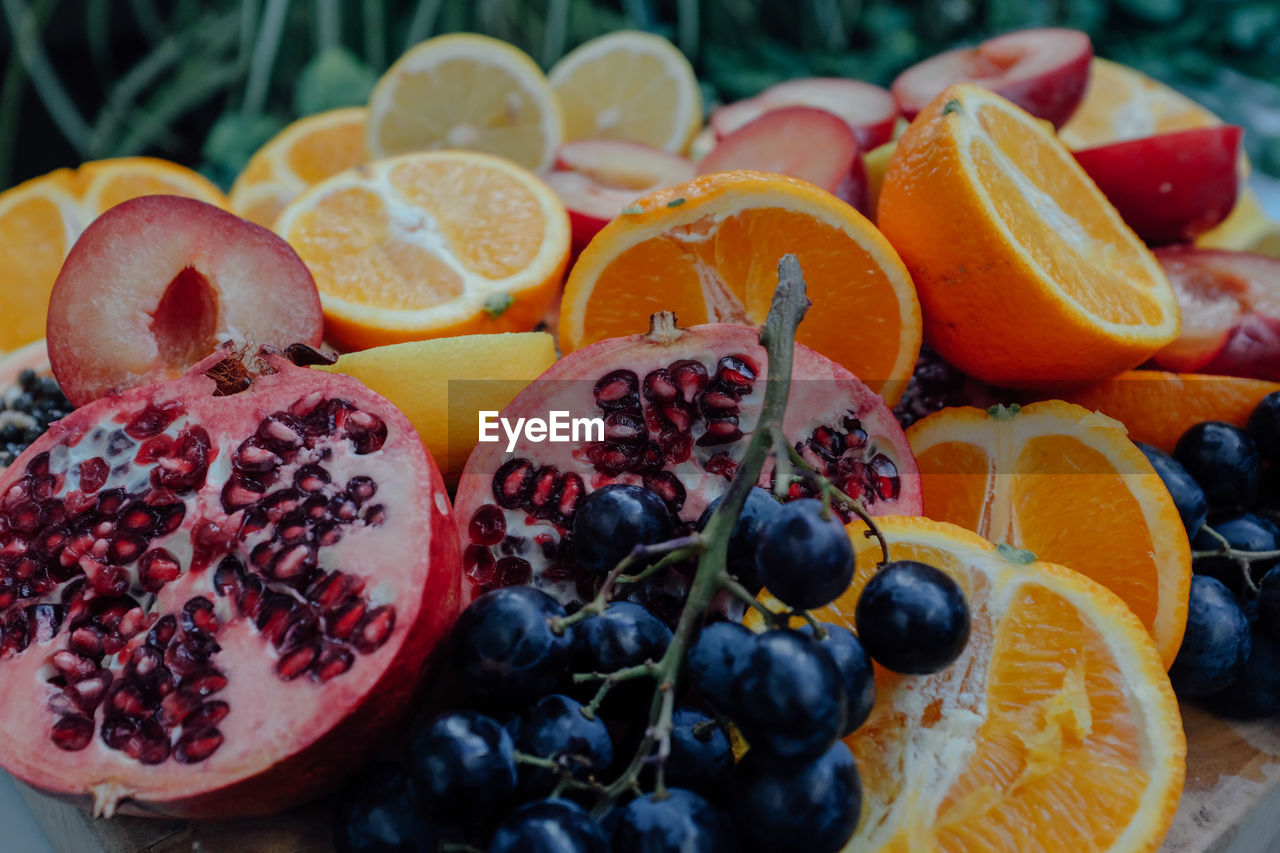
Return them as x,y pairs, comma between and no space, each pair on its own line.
1055,730
441,384
629,85
304,153
1158,407
41,219
1026,274
1066,484
429,245
1123,103
465,91
708,250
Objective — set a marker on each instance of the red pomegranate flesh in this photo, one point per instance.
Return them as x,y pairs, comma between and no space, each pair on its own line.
216,591
679,406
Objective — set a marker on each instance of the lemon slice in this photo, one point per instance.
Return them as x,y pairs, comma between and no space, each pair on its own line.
465,91
629,85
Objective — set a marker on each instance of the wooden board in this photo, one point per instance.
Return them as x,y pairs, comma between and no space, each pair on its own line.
1231,804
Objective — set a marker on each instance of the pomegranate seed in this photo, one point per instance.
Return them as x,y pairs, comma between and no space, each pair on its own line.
240,492
296,662
380,621
156,568
117,730
209,714
478,562
720,431
331,590
169,517
737,372
125,548
87,642
361,488
722,465
689,376
249,603
105,579
366,431
127,700
622,426
162,632
668,487
154,419
147,747
72,733
327,533
612,458
511,571
678,416
203,682
717,401
332,661
659,387
315,507
177,706
73,666
93,474
342,624
306,405
855,435
27,518
154,449
198,616
571,490
375,515
545,494
293,562
252,458
280,432
228,578
884,477
88,692
276,614
197,745
512,482
618,389
827,442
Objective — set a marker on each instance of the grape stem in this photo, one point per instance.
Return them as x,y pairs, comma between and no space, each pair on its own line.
778,338
672,551
1243,559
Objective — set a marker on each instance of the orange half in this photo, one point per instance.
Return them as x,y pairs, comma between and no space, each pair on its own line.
1068,485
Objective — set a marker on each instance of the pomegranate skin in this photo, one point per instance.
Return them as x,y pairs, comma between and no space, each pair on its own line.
679,406
287,738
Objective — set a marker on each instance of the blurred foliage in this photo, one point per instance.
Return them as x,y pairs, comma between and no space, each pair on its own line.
206,81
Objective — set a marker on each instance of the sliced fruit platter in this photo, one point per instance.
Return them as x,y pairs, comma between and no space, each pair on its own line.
530,462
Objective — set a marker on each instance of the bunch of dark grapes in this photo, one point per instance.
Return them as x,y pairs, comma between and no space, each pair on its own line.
547,760
1225,482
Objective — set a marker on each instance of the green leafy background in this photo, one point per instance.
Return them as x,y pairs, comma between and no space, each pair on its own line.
204,82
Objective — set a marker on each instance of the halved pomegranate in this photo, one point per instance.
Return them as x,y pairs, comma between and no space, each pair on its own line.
678,406
216,592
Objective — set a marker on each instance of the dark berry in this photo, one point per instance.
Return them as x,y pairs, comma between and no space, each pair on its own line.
804,555
912,618
1264,427
788,698
613,520
624,635
465,766
855,669
556,728
701,757
381,813
1256,691
506,652
1224,461
715,659
1243,532
679,822
760,508
813,806
1216,643
1268,612
1187,495
549,826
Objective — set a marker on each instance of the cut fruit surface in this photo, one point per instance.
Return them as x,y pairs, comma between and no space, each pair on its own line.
441,384
1123,103
708,250
157,283
1247,228
1231,312
1055,730
1172,187
304,153
465,91
429,245
869,110
1064,290
41,219
1067,485
803,142
1157,407
629,85
1043,71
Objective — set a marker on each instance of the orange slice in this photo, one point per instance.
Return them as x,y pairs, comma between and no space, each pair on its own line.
1158,407
1123,103
1026,273
429,245
708,250
41,219
1066,484
304,153
1056,729
466,91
